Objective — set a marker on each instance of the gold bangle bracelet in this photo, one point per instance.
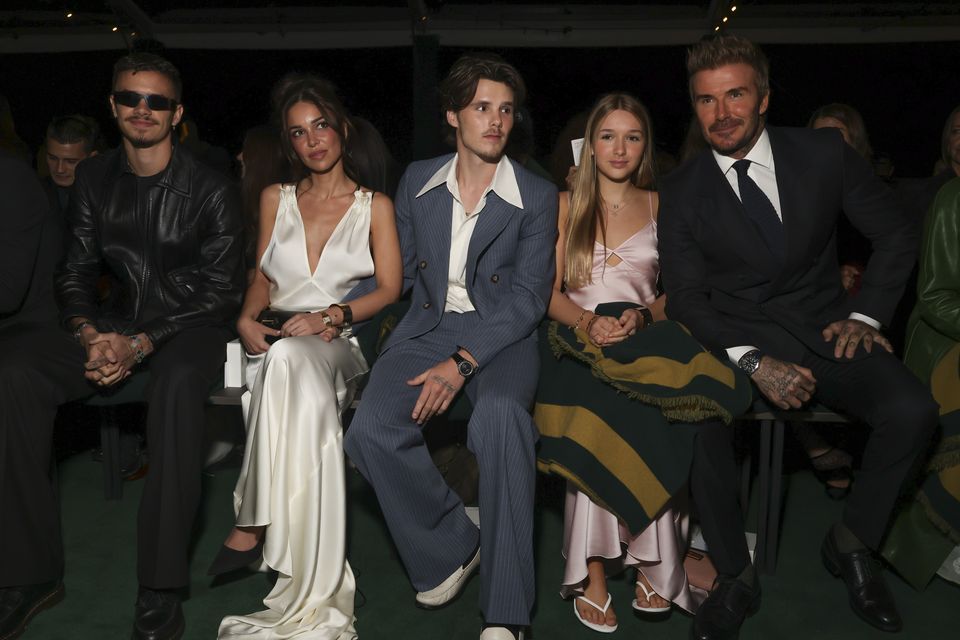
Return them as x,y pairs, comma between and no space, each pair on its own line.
590,324
576,325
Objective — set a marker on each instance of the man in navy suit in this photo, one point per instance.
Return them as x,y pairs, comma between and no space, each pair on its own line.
478,234
749,263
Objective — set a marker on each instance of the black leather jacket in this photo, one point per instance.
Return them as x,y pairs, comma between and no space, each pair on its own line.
173,242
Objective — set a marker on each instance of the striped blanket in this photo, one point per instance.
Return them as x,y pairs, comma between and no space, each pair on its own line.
927,529
619,422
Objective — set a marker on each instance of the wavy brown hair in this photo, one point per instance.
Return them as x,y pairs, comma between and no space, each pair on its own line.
586,204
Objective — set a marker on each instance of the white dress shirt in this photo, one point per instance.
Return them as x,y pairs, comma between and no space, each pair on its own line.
763,171
504,183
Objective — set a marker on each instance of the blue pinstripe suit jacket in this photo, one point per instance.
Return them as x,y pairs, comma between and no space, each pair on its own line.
510,259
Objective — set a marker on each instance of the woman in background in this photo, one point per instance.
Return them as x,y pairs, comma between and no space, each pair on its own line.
923,541
262,163
832,465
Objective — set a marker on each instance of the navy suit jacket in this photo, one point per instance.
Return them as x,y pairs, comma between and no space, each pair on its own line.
510,260
724,284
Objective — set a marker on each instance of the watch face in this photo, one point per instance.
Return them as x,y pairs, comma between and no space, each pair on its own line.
750,361
465,368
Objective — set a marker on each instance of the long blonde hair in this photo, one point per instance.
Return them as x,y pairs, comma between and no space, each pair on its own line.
586,204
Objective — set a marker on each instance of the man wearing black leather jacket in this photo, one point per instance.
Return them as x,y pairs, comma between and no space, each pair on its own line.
169,229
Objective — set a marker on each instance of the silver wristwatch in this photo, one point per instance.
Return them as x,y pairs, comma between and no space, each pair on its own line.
750,361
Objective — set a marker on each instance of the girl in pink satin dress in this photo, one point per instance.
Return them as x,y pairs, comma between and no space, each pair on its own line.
607,251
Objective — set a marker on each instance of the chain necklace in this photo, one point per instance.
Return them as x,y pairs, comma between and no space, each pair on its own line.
614,207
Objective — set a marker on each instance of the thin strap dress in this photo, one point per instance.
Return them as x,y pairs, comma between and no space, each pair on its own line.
293,479
589,529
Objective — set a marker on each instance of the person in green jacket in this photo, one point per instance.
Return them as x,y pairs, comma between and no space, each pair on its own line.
925,538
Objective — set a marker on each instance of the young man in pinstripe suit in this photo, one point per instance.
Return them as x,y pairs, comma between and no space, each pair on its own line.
477,233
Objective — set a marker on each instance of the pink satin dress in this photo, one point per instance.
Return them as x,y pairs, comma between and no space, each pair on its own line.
589,529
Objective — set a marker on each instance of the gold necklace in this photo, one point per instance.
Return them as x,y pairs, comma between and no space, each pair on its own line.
614,207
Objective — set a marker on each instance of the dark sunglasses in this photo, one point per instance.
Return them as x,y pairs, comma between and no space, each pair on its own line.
155,101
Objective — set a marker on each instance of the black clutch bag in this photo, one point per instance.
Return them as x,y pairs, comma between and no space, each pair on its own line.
274,319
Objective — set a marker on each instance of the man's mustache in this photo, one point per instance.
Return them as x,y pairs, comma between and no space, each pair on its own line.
726,123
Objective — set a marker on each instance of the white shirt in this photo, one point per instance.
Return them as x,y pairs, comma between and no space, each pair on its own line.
504,183
763,171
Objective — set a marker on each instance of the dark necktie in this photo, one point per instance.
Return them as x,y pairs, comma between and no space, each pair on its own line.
760,210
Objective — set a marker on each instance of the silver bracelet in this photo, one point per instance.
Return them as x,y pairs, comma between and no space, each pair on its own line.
137,346
77,330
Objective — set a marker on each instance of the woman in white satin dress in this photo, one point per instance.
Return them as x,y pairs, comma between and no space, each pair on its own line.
607,251
319,238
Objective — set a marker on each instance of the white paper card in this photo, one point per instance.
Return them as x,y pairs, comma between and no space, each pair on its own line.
576,145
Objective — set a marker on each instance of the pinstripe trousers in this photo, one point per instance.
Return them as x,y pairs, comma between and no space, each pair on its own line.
425,517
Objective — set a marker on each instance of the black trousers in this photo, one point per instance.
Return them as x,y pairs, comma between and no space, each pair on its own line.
880,391
902,415
41,368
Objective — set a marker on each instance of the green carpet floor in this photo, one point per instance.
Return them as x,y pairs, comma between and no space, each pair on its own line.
801,601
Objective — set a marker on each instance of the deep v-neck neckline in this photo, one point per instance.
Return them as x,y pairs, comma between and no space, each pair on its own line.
323,249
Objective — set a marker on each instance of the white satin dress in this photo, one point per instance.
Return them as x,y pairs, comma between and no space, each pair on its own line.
590,531
293,478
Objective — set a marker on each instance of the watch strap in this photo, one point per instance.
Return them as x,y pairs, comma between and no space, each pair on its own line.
461,362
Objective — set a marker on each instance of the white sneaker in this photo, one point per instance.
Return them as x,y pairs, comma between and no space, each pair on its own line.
450,588
499,633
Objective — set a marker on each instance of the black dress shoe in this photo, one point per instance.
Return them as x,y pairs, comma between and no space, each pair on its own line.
870,598
228,559
18,605
721,614
157,616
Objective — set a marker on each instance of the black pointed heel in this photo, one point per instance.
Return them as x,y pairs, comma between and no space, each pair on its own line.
229,560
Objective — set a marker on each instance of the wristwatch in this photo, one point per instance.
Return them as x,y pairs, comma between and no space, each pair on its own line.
464,366
750,361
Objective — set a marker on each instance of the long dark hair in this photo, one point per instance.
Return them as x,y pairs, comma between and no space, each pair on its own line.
263,164
304,87
375,165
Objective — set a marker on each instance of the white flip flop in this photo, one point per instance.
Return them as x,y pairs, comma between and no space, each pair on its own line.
648,594
602,628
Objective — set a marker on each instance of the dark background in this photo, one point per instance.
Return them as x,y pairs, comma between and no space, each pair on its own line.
903,91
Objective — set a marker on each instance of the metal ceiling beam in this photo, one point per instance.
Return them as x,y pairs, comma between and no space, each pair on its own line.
513,25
